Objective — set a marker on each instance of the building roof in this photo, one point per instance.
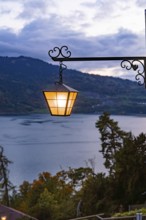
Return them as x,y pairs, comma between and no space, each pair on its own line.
7,213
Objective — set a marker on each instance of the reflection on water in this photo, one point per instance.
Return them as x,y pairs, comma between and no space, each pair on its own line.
39,143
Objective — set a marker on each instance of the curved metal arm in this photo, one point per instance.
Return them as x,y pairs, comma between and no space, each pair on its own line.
63,54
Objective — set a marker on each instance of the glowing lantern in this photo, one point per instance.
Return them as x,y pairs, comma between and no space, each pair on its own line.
61,99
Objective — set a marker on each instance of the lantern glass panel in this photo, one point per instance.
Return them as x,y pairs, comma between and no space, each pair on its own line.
62,99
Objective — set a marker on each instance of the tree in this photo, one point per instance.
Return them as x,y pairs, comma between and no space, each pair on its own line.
131,169
5,183
112,139
95,195
48,197
125,157
75,177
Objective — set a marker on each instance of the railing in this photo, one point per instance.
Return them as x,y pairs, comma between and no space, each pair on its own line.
99,217
120,218
91,217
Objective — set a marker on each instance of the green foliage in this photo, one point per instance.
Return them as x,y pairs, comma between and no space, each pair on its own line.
5,184
131,213
95,196
76,177
48,195
112,138
125,157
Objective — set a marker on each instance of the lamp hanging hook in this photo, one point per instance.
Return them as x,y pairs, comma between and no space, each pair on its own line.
62,67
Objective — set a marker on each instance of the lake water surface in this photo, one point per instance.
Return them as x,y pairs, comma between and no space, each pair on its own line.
38,143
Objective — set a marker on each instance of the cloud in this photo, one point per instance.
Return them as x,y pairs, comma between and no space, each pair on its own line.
33,9
42,35
44,28
141,3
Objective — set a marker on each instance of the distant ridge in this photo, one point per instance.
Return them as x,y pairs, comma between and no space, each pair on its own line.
22,80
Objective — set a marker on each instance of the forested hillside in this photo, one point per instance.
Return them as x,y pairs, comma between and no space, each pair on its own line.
22,80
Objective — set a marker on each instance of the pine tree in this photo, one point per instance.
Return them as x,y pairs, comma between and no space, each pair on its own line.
112,139
5,184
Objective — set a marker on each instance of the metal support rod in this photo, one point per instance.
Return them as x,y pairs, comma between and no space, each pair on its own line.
61,59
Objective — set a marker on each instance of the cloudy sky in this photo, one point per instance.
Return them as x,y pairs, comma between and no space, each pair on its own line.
87,27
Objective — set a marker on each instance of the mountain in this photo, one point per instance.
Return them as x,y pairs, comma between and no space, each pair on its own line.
22,80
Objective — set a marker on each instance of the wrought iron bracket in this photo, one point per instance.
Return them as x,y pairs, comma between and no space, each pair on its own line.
136,63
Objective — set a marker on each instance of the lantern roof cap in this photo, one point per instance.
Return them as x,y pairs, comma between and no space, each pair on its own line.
61,87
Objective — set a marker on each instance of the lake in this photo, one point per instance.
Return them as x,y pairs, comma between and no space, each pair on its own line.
37,143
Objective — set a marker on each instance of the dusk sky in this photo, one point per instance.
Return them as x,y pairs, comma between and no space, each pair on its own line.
88,27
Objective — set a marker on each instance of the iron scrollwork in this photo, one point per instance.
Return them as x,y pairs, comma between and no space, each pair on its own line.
62,52
138,66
